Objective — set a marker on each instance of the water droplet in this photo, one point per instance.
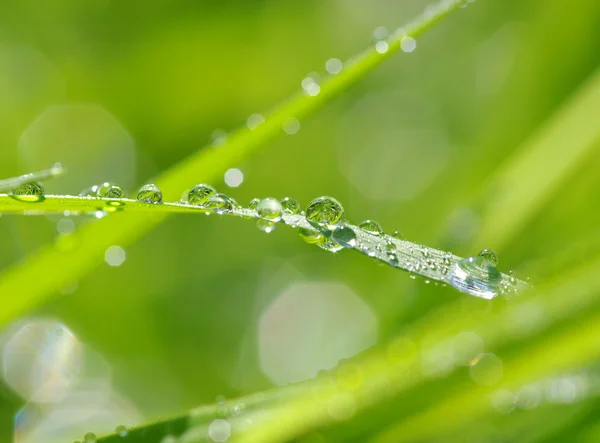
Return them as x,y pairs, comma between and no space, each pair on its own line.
392,259
476,276
269,209
310,86
291,126
371,227
408,44
397,234
254,203
266,225
29,192
381,46
149,194
200,193
92,191
109,190
380,33
255,120
390,246
309,235
489,255
90,437
329,245
325,213
233,177
121,431
219,203
333,66
345,236
290,206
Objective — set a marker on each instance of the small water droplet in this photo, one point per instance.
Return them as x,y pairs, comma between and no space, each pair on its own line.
393,259
254,203
255,120
345,236
121,431
291,126
109,190
397,234
266,225
149,194
381,46
90,437
334,66
269,209
200,193
476,276
371,227
325,213
219,203
310,86
28,192
92,191
290,206
309,235
380,33
489,255
390,246
233,177
329,245
408,44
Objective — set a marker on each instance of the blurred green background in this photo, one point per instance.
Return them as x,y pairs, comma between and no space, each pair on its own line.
120,91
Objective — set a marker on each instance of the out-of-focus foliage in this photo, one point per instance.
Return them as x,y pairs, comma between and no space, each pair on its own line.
120,91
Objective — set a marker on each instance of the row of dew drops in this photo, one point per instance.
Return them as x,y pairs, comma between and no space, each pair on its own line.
475,275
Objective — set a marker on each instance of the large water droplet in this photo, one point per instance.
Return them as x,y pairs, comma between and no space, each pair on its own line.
269,209
329,245
220,203
372,227
121,431
266,225
109,190
325,213
489,255
345,236
476,276
290,206
309,235
90,437
149,194
254,203
29,192
200,193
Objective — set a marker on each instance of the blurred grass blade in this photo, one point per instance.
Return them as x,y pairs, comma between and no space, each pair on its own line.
11,183
205,166
525,183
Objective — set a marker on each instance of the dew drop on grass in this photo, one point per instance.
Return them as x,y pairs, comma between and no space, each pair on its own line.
329,245
325,213
220,203
345,236
269,209
29,192
397,234
489,255
266,225
200,193
309,235
121,431
109,190
290,206
254,203
149,194
90,437
371,227
476,276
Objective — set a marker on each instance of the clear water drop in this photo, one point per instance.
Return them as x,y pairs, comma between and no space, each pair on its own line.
266,225
325,213
290,206
254,203
121,431
149,194
489,255
392,259
29,192
344,236
329,245
390,246
200,193
476,276
90,437
309,235
371,227
397,234
220,203
109,190
269,209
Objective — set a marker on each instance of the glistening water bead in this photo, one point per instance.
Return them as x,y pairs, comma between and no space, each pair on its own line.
29,192
254,203
269,209
149,194
220,203
325,213
371,227
345,236
200,194
476,276
290,206
109,190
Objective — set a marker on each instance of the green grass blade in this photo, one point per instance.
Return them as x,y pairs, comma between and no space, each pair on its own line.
204,166
11,183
